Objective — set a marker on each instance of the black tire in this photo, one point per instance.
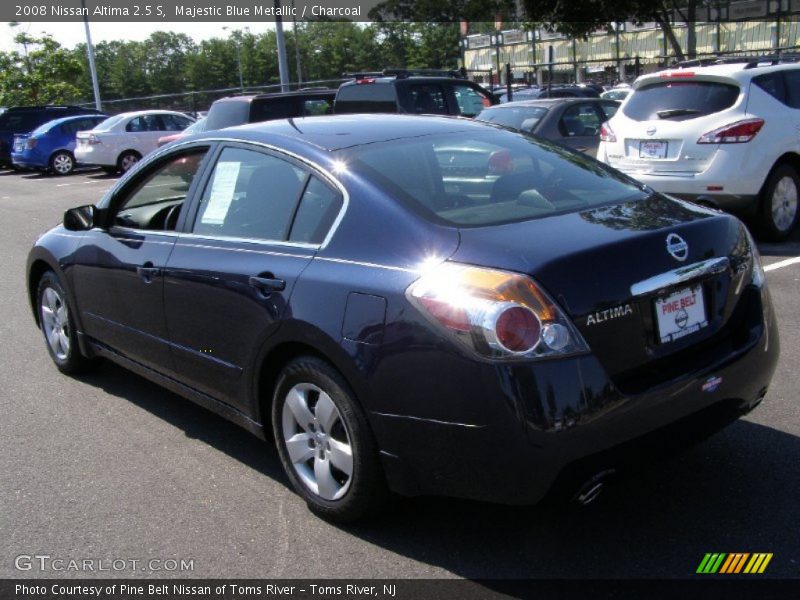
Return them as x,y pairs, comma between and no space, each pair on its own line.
364,492
62,163
127,160
71,360
778,207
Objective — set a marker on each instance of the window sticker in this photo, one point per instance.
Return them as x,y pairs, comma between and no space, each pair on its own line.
222,190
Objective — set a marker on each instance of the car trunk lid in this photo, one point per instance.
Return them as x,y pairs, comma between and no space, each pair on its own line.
613,271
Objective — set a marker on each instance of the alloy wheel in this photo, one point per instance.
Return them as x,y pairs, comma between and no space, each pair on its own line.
317,441
55,322
63,164
784,204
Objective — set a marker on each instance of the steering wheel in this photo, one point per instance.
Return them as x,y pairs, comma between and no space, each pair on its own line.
171,219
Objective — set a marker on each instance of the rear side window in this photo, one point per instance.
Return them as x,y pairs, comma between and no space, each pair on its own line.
579,120
772,83
428,99
250,195
315,107
366,97
316,213
680,100
792,88
144,123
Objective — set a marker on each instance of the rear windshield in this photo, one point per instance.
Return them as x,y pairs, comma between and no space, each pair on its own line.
680,100
487,178
109,123
228,114
524,118
366,97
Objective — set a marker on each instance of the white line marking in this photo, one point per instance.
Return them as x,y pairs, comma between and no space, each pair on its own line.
63,184
783,263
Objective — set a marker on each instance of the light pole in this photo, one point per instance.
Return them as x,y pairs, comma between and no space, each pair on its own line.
283,65
238,56
90,52
296,45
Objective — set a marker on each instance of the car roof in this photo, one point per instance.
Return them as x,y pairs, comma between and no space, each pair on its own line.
60,120
549,102
251,97
740,72
413,78
345,131
138,113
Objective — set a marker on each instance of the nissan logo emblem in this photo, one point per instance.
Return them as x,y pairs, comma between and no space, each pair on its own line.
677,247
651,131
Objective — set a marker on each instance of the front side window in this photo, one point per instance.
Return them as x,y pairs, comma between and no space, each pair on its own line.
155,201
470,101
487,178
250,195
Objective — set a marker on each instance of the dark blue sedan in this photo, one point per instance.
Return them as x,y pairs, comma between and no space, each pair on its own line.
421,305
51,147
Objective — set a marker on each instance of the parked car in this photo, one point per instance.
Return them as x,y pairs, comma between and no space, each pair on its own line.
523,93
24,119
414,92
121,141
572,122
616,94
197,127
568,91
252,108
723,135
51,147
327,281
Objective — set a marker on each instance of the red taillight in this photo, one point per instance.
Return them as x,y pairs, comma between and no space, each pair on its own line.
740,132
517,328
365,80
606,133
497,314
676,74
454,317
31,143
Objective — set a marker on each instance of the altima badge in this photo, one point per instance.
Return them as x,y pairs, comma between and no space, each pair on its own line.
677,247
609,314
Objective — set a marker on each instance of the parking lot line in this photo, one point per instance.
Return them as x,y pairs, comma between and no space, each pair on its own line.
782,263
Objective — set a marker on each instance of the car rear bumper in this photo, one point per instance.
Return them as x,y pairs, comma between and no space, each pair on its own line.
522,427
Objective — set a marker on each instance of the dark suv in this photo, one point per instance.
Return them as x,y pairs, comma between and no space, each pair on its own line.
252,108
24,119
414,92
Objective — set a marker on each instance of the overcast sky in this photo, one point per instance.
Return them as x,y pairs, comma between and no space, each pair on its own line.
72,33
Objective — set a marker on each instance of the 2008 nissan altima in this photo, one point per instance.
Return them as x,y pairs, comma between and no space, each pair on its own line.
422,305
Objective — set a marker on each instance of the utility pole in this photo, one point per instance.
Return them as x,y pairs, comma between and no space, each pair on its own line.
90,52
296,45
283,65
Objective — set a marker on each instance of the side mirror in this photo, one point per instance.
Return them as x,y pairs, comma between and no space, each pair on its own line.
82,218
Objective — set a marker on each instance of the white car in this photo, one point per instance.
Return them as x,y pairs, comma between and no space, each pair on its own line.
120,141
726,135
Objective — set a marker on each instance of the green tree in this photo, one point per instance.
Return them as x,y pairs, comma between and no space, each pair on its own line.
39,72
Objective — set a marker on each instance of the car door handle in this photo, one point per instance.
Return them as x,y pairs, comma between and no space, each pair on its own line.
147,271
267,285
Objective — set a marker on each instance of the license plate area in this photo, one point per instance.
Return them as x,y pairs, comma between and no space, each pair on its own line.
680,313
652,149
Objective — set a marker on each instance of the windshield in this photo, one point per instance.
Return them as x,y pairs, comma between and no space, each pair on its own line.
487,178
680,100
109,123
524,118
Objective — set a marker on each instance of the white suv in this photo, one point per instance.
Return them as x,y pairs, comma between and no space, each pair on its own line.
120,141
726,135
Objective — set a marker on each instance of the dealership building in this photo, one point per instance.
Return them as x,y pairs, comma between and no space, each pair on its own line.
630,49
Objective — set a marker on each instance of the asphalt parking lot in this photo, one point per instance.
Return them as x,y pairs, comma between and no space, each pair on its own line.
109,466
